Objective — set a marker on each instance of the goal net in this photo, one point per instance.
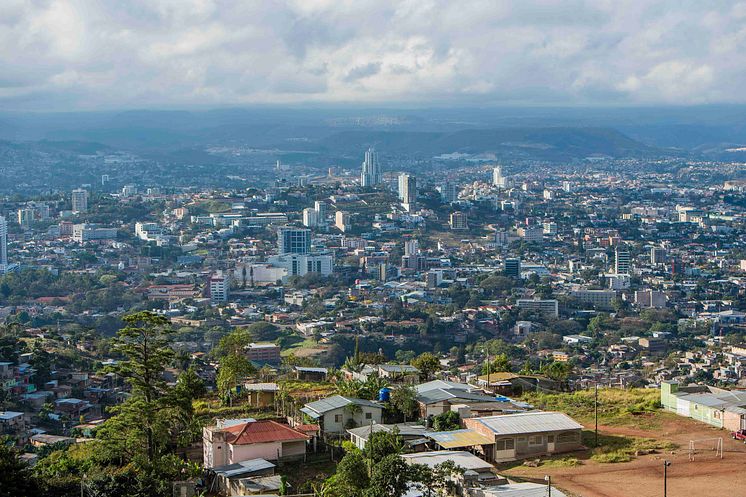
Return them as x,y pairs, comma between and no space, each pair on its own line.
706,447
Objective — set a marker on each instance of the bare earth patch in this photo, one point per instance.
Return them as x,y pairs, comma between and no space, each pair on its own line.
643,476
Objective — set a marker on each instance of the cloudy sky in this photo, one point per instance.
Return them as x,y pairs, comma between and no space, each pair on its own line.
68,54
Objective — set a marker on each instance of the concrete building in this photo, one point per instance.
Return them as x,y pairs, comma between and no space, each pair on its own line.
528,434
219,288
408,191
264,353
621,261
3,245
80,200
549,307
600,299
83,233
302,264
234,442
459,221
531,234
342,221
449,192
657,255
498,179
310,217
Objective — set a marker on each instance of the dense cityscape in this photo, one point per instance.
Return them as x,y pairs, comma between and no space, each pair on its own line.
443,323
372,248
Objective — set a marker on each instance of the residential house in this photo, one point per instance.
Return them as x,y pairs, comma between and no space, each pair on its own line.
714,406
228,443
528,434
337,413
261,394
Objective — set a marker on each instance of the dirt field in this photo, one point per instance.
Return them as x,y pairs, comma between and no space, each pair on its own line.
643,477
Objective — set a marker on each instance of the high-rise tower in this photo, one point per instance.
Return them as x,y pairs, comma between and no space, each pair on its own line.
371,173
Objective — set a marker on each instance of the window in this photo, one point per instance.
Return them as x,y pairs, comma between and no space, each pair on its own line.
550,439
535,440
337,418
368,415
505,444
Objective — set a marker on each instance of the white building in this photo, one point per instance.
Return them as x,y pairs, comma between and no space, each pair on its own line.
407,191
342,221
219,288
148,231
310,217
302,264
547,306
88,232
498,179
4,266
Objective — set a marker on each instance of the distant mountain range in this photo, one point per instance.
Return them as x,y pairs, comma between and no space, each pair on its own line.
342,133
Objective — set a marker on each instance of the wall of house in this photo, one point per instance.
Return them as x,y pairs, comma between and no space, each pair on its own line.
733,421
214,448
269,451
706,414
293,449
334,424
668,399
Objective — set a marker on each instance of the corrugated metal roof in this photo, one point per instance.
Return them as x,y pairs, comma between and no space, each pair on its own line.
243,467
460,438
461,458
529,422
335,402
262,432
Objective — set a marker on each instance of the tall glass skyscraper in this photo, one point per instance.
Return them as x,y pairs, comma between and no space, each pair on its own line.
371,174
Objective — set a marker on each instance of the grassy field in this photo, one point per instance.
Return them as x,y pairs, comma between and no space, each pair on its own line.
638,407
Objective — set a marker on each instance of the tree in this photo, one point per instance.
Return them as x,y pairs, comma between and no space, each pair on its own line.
351,478
232,370
233,343
500,364
389,478
382,444
447,421
558,371
15,476
144,344
404,400
427,363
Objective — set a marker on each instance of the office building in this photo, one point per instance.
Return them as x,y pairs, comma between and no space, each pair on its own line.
407,190
531,234
600,299
621,261
550,228
567,187
449,192
80,200
263,353
498,179
90,232
459,221
549,307
104,179
411,247
512,268
657,255
302,264
371,174
293,240
342,221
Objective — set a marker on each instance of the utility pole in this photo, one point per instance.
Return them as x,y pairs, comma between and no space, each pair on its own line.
596,415
666,464
548,479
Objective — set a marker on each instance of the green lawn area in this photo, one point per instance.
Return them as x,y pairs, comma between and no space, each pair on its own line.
638,407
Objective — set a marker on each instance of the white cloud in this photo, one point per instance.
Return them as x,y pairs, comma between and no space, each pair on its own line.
145,53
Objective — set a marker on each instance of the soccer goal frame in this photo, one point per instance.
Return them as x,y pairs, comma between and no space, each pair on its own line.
703,444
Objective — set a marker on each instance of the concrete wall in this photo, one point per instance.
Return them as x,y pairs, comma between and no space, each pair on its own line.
332,425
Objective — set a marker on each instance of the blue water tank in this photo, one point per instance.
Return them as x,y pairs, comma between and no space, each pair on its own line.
384,394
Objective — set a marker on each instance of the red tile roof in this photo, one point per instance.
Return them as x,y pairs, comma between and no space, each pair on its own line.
262,432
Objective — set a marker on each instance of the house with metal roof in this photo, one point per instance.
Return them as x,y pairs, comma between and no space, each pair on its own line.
336,414
476,470
714,406
228,479
528,434
414,436
225,444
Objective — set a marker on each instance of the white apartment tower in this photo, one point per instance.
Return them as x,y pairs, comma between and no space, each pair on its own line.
498,179
407,190
621,261
371,174
80,200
